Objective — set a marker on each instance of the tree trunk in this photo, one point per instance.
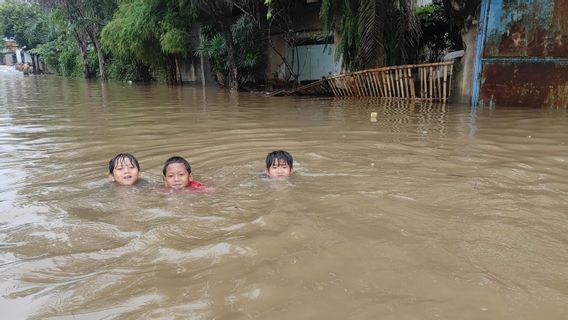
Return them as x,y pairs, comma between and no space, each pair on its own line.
84,56
465,68
34,66
171,72
465,16
231,57
220,79
100,55
201,58
178,72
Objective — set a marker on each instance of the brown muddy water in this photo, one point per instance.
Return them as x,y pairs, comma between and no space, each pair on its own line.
424,212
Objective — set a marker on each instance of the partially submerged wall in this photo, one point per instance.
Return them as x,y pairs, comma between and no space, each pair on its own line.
523,59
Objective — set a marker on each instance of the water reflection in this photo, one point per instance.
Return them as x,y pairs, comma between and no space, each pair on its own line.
431,211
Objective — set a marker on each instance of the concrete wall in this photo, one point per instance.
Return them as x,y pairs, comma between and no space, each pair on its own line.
463,77
8,59
420,3
275,67
23,57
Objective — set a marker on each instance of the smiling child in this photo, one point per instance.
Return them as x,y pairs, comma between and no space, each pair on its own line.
124,169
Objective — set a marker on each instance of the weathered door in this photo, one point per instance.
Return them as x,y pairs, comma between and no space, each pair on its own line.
522,54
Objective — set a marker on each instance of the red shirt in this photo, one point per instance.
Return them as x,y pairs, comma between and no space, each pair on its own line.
195,185
192,186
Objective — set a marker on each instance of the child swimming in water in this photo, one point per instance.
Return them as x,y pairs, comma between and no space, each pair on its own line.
124,169
177,175
279,164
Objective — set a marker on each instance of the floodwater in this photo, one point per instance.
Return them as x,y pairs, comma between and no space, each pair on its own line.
422,212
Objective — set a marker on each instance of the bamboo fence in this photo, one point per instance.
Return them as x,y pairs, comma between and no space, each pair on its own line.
431,81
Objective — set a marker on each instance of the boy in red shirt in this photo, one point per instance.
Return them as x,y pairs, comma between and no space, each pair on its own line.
177,175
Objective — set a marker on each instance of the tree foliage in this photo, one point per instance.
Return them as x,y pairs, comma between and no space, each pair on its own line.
60,52
151,32
84,20
218,15
438,35
248,51
373,33
26,23
144,39
462,13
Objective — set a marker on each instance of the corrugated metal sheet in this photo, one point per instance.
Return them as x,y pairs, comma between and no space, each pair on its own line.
523,58
525,84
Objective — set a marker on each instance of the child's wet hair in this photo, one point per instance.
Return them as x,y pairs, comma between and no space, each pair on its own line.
279,156
120,158
176,159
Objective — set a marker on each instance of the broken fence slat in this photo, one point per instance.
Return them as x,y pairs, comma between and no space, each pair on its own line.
431,81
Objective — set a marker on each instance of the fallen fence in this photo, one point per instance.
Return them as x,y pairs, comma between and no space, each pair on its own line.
432,81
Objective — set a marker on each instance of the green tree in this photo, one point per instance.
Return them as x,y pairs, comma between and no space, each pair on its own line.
219,14
248,51
60,53
373,33
213,46
24,22
155,33
85,19
438,35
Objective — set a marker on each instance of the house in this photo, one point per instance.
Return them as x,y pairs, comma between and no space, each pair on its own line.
299,51
8,56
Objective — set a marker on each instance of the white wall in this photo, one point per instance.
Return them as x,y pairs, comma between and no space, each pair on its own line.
27,57
420,3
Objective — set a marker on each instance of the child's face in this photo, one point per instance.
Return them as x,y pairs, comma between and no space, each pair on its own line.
177,177
125,172
279,170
